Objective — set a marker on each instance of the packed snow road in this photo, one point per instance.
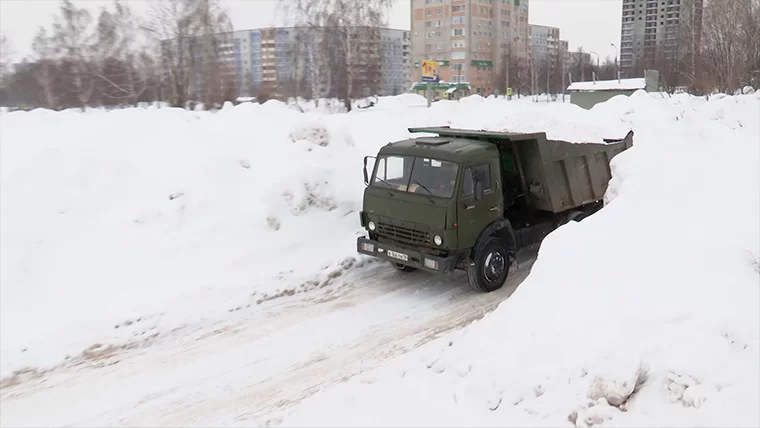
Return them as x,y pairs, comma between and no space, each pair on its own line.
247,371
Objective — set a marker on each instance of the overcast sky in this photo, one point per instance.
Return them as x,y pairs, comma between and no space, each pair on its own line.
593,24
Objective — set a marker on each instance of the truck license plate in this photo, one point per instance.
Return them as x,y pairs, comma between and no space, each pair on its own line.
399,256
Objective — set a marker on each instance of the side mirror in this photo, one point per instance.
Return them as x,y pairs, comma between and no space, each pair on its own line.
478,190
366,173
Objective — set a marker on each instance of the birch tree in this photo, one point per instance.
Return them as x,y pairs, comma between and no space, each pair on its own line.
117,62
6,55
46,68
73,38
191,34
347,39
729,44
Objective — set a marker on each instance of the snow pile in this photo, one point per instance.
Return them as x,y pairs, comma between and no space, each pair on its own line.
646,314
121,225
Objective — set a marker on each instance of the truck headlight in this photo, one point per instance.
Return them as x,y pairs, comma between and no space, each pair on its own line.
371,226
438,240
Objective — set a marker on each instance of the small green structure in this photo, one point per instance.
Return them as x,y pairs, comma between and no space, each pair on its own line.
446,90
589,94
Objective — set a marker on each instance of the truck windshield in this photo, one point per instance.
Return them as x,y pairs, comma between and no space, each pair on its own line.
412,174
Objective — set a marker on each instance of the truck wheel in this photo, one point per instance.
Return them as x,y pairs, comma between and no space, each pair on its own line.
491,267
403,268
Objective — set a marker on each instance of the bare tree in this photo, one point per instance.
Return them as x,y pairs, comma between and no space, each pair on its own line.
46,70
6,55
353,49
116,62
171,25
582,67
73,37
194,35
213,27
558,71
730,41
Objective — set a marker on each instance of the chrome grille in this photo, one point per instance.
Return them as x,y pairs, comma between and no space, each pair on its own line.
403,234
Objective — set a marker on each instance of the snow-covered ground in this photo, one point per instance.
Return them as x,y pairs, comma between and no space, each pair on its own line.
215,254
646,314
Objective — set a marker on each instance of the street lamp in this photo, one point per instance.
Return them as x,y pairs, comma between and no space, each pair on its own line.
597,64
617,70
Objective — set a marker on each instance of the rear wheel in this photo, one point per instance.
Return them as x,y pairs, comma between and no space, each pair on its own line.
490,268
403,268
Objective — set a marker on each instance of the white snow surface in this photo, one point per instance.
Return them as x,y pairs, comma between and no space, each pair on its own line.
169,217
659,293
609,85
645,314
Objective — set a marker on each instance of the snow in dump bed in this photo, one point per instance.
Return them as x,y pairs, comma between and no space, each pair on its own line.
645,314
118,226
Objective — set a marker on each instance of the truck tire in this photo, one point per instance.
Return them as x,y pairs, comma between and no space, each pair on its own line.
491,266
403,268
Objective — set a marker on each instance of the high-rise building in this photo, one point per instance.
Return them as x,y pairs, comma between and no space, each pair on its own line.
656,30
469,38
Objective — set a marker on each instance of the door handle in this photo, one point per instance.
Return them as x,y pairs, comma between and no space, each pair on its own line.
469,207
493,208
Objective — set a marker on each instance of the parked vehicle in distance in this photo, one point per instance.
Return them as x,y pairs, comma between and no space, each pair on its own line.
469,200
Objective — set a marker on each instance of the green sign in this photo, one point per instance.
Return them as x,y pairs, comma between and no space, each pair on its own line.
482,63
517,2
509,92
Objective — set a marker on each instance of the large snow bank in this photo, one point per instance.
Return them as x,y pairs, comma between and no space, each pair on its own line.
120,225
646,314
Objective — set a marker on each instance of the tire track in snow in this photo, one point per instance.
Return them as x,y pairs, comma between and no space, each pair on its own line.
254,368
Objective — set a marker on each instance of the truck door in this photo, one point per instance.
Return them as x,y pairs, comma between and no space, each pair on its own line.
474,215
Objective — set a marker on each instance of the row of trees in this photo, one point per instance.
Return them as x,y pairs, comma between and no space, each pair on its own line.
551,73
716,47
344,54
177,53
119,58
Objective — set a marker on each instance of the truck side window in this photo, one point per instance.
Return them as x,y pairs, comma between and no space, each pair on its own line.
468,185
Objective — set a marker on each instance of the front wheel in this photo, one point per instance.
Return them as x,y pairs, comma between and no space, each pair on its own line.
490,268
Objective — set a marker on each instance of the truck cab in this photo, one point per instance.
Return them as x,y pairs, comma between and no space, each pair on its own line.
461,199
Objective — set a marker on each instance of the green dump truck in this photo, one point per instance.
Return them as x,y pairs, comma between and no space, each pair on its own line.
469,200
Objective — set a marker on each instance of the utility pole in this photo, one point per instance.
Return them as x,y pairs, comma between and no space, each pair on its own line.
506,65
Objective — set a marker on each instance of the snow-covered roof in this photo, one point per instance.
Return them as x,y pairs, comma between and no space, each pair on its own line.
609,85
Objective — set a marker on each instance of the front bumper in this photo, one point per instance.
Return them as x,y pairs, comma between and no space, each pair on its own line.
414,259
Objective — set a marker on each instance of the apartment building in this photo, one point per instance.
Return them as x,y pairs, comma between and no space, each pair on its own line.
469,38
657,29
545,44
277,60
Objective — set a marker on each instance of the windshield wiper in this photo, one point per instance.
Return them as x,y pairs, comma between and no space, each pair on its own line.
389,184
423,186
